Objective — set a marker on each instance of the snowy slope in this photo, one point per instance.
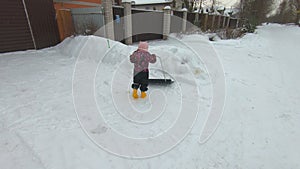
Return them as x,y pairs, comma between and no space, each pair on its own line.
261,72
259,129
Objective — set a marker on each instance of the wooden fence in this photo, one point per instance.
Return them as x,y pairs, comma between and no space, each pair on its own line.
149,21
65,23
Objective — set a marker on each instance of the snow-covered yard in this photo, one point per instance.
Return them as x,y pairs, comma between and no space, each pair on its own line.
39,127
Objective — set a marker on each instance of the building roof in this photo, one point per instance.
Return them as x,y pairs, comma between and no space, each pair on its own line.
146,2
78,3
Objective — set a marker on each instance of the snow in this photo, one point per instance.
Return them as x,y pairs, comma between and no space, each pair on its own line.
167,8
228,3
221,3
184,10
143,2
123,1
259,128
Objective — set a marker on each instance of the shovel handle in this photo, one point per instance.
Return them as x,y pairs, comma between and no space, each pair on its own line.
162,67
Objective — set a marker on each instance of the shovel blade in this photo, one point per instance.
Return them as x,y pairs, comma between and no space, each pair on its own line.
160,81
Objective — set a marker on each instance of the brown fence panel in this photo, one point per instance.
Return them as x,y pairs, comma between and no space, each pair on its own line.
227,19
65,23
176,22
215,23
178,14
147,25
14,29
240,23
232,23
218,21
209,21
118,13
191,17
191,20
43,22
202,20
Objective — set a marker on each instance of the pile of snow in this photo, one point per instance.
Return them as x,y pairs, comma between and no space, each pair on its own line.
39,127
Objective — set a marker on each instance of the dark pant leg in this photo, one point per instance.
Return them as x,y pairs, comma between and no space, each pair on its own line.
140,80
144,82
135,85
136,80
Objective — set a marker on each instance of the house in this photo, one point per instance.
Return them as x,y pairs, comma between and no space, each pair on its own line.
151,4
70,4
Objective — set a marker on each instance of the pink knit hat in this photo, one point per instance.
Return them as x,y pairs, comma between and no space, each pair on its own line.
143,46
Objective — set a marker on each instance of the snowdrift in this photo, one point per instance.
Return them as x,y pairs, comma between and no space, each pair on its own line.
39,127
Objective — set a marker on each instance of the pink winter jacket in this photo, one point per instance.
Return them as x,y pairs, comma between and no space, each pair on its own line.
141,60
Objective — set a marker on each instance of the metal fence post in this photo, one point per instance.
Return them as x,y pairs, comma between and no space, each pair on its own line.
127,21
108,18
184,19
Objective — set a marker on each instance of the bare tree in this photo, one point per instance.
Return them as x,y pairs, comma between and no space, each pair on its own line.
188,5
297,4
213,5
255,11
287,12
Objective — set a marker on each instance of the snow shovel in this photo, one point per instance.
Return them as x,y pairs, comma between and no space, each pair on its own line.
163,81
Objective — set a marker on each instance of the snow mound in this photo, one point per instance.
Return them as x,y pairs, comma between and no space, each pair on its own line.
74,46
176,58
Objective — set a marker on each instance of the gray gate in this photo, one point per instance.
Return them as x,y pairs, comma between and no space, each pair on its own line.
147,25
87,20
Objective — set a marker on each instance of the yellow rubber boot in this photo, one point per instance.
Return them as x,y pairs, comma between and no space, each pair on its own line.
143,94
135,94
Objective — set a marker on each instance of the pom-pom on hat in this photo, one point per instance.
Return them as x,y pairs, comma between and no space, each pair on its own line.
143,46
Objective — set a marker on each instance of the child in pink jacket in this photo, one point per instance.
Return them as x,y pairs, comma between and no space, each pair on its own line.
141,59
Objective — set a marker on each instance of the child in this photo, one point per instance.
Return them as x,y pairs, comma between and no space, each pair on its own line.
141,59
